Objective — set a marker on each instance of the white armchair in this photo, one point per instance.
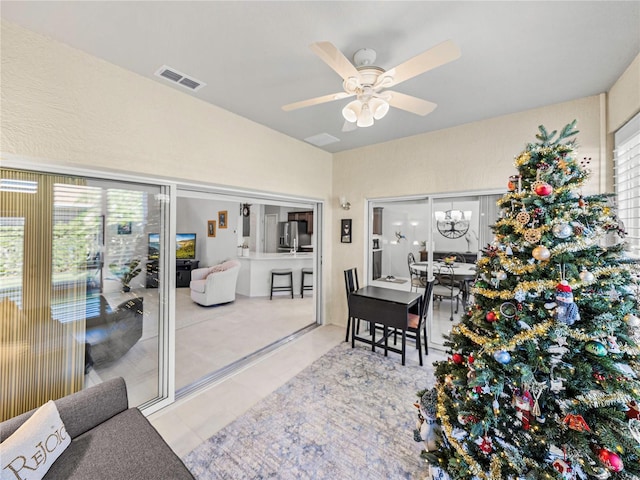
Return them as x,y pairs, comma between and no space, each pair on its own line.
215,285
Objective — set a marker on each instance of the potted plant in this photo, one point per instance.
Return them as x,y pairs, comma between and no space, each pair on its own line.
126,272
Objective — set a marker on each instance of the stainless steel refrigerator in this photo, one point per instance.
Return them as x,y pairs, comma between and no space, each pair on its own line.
291,235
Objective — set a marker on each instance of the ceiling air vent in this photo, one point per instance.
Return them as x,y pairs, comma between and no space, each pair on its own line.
180,78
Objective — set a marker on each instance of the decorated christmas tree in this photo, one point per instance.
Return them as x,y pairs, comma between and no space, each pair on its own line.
542,379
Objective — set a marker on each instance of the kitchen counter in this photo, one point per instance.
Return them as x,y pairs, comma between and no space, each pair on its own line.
279,256
254,278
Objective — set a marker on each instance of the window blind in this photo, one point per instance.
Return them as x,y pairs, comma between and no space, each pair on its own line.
627,181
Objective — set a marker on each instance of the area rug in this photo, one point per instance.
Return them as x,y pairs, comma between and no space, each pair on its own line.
349,415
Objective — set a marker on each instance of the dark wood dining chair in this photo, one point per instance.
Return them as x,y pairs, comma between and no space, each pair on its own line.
416,278
351,284
446,287
417,323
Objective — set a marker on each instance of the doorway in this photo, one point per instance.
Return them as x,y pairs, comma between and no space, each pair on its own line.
425,230
212,341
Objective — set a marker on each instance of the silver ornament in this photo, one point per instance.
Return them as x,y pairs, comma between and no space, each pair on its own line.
562,230
586,276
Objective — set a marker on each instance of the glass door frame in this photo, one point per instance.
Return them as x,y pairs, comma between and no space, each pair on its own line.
430,200
167,280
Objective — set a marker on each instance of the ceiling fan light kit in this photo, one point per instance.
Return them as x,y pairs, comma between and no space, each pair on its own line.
366,82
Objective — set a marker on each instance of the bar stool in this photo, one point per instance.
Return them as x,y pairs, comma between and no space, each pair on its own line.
305,271
287,272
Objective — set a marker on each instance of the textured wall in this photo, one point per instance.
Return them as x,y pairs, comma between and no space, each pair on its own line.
62,106
471,157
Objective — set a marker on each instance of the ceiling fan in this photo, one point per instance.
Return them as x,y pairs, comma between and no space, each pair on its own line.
369,83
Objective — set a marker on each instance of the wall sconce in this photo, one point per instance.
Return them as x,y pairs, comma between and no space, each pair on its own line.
344,204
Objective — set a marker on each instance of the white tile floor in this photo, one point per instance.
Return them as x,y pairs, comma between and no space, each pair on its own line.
190,421
207,338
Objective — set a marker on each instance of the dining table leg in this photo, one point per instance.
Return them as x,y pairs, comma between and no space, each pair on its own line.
372,325
386,341
404,344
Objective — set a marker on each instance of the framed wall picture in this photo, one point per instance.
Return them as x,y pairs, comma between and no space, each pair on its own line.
345,230
211,228
222,219
124,228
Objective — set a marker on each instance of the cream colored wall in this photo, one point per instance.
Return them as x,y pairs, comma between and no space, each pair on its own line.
624,97
471,157
65,107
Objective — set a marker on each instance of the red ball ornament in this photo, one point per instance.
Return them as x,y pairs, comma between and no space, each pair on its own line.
471,358
511,186
610,460
491,316
457,358
543,189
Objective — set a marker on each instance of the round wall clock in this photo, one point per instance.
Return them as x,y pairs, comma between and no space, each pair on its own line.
452,228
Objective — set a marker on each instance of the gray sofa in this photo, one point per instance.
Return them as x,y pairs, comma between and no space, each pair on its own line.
109,440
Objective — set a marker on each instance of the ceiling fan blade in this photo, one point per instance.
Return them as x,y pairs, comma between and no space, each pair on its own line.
409,103
335,59
442,53
316,101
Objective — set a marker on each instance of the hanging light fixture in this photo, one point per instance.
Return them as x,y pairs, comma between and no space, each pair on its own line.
362,111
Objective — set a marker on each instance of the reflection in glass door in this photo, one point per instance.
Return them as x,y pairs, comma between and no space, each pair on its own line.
74,307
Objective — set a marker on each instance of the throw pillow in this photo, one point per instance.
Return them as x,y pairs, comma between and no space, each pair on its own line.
31,450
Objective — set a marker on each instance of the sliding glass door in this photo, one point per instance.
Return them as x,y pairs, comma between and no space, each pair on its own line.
424,230
74,304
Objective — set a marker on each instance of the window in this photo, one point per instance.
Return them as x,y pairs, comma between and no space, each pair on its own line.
627,181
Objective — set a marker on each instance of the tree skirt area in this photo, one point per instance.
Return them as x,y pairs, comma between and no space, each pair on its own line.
349,415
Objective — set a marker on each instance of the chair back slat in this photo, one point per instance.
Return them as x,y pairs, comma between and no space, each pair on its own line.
426,298
351,281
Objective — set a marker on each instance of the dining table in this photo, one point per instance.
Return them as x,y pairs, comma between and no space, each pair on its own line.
463,273
386,307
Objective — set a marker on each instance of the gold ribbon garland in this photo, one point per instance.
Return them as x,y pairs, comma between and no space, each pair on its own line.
448,430
542,285
491,346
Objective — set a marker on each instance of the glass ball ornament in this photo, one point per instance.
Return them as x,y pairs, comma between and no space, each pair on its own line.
586,276
595,348
542,189
541,253
491,316
501,275
562,230
632,320
610,460
502,356
457,358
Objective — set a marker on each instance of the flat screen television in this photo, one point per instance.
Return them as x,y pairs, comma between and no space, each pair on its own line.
185,246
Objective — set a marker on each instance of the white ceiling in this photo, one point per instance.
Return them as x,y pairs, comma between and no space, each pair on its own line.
255,56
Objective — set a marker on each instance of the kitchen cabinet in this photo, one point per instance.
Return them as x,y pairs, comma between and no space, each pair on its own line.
302,217
377,220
